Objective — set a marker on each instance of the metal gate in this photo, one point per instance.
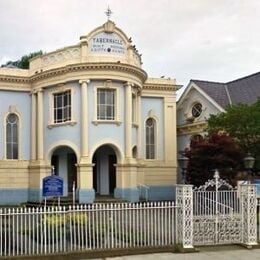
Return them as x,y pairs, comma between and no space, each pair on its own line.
217,213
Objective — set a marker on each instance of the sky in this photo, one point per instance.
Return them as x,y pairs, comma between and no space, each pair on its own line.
216,40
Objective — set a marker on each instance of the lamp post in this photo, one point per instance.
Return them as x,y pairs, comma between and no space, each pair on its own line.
249,162
183,163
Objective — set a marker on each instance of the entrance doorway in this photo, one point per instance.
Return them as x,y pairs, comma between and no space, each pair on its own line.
104,170
64,161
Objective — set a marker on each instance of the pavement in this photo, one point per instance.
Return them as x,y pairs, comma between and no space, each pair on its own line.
217,254
233,252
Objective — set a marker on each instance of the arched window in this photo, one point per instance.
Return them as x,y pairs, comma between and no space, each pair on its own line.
12,123
134,152
150,127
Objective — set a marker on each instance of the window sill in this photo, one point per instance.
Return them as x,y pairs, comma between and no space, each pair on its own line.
71,123
114,122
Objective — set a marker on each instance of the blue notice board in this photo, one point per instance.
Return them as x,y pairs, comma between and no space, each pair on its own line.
52,186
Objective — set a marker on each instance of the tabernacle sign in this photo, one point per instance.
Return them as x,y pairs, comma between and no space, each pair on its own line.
52,186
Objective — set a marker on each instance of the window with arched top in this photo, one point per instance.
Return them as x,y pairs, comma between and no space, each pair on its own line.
134,152
150,128
12,128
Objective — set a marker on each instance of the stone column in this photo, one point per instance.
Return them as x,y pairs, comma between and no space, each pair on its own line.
128,120
38,169
33,127
84,118
40,125
85,191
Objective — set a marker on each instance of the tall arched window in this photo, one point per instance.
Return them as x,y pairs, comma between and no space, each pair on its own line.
12,123
150,128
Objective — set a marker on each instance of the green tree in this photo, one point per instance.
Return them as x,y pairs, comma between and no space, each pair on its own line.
23,63
217,151
242,122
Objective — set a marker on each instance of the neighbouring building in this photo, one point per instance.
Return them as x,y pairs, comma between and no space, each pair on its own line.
90,111
203,98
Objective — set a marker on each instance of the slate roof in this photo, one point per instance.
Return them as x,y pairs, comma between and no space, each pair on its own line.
245,90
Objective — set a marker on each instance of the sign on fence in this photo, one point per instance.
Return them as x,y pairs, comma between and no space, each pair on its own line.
52,186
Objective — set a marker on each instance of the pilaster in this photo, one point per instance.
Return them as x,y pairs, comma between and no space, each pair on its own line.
128,120
40,124
37,171
84,118
139,121
126,182
33,126
85,191
170,129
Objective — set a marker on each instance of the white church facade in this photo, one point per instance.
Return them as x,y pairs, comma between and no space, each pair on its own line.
91,111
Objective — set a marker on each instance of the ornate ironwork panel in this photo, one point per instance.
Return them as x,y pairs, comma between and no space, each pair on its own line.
217,216
249,205
221,230
185,214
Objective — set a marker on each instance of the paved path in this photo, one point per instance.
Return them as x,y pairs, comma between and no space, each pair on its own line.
237,254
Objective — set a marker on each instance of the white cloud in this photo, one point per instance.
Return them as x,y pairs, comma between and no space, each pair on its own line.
214,40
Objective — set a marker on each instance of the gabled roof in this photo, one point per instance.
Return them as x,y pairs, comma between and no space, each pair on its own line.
215,90
245,90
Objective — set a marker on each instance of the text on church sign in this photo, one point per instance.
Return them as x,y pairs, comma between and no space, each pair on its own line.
107,43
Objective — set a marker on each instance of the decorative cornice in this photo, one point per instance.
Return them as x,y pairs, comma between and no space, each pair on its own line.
14,79
164,87
139,73
190,128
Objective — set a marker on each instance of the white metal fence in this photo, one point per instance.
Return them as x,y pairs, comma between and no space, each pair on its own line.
31,231
199,217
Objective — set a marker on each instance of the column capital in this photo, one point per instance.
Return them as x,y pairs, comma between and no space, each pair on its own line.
33,92
81,81
38,90
128,83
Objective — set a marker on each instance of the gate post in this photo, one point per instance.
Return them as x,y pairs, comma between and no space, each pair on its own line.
184,198
249,204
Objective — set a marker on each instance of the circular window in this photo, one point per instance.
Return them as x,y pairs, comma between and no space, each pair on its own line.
12,118
149,122
196,110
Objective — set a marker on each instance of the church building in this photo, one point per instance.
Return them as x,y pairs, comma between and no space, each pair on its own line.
91,112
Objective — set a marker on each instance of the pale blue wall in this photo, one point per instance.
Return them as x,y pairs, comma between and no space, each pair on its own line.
22,102
106,131
63,132
157,106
